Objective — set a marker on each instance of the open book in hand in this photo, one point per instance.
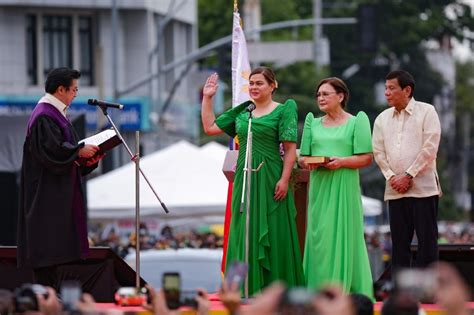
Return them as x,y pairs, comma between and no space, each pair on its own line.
106,140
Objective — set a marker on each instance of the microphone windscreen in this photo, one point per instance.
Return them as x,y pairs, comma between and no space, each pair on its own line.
251,107
92,101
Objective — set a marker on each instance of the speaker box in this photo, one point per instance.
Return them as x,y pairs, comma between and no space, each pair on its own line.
8,216
461,256
101,274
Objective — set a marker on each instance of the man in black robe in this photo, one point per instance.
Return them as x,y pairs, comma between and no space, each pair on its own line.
52,227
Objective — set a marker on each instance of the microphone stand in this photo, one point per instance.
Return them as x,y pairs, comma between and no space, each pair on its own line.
133,157
137,211
136,159
246,186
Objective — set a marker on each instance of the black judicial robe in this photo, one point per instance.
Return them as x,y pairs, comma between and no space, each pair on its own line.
52,225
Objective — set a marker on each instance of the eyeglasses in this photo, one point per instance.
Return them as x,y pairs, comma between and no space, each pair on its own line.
324,94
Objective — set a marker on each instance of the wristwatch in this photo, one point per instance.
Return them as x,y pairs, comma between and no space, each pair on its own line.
408,175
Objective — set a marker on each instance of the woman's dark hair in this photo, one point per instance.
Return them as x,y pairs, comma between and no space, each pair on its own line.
267,73
404,79
339,86
60,77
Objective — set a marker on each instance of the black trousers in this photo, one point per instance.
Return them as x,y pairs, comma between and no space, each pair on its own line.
413,215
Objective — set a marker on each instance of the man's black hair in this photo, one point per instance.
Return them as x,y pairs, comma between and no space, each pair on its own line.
404,79
60,77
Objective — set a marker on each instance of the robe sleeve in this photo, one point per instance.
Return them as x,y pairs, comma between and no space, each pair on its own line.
48,146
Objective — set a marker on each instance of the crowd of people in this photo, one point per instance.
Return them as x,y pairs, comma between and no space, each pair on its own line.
378,241
448,290
167,239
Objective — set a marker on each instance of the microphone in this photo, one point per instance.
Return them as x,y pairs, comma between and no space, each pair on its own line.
94,102
251,107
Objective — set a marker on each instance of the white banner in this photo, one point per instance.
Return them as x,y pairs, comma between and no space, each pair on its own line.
240,64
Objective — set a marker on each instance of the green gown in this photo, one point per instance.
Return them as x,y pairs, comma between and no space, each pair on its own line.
335,249
274,252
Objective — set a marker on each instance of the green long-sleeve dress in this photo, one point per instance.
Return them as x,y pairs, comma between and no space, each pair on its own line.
274,251
335,249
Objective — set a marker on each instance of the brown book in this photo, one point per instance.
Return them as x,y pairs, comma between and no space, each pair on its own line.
316,159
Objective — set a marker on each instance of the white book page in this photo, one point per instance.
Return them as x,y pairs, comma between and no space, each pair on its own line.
99,138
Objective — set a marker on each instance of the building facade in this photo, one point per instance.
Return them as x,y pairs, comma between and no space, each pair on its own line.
113,55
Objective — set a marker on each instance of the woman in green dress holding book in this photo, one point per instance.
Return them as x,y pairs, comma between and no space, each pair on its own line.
335,249
274,252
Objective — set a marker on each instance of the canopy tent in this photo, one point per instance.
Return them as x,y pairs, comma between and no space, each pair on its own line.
188,179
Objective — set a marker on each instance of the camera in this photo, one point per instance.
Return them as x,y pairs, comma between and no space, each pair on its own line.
71,292
130,296
25,297
296,301
418,283
175,297
235,274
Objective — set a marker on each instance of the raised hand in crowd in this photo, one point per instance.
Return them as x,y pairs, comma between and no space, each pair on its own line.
267,302
86,304
158,303
229,294
332,301
49,305
451,292
203,303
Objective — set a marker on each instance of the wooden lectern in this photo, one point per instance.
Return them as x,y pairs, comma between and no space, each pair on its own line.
300,192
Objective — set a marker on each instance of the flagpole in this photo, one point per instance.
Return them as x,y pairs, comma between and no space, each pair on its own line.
240,82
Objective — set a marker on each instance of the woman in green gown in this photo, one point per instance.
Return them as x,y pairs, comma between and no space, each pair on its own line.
335,250
274,252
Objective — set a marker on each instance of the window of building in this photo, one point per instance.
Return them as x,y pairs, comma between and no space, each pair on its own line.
31,56
59,41
86,51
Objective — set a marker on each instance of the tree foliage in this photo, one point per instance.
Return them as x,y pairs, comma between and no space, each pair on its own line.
404,30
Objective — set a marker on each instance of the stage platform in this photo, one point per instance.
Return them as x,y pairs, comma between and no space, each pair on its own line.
218,309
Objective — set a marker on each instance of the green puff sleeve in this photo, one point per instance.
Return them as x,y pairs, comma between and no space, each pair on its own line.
226,121
305,148
288,125
362,134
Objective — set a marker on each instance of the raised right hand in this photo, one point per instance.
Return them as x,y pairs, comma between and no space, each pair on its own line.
210,88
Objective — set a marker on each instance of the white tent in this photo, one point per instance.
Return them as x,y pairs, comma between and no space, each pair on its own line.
188,179
189,182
